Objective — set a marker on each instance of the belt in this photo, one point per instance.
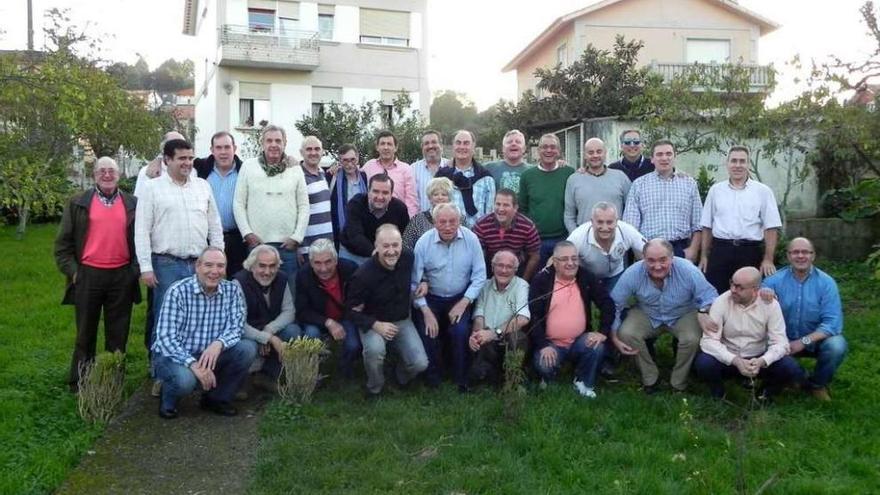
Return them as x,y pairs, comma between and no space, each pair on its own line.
188,259
736,242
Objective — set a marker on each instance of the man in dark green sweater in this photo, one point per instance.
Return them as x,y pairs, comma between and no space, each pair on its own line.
542,195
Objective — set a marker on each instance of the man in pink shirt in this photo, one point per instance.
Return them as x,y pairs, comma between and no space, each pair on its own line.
560,299
401,173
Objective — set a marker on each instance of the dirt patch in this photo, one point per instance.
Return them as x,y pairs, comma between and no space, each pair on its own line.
197,453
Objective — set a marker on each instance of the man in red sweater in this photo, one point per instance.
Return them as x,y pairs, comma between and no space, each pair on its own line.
95,250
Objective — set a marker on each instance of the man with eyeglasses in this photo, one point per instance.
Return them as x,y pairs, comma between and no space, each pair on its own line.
811,304
501,311
666,205
671,295
561,300
632,163
750,340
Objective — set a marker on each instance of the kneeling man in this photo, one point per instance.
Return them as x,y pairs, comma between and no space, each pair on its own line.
198,338
378,302
750,340
561,298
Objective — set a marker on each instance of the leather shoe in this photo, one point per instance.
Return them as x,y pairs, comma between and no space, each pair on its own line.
168,413
217,407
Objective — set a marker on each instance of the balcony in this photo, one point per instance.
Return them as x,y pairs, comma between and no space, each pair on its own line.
760,76
243,46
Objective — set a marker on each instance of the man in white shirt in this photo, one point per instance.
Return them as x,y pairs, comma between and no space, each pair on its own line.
603,243
176,220
749,341
157,166
740,222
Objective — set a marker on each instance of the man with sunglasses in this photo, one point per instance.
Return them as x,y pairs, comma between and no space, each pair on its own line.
632,163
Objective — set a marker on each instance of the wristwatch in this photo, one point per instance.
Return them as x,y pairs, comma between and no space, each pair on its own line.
498,333
703,311
806,340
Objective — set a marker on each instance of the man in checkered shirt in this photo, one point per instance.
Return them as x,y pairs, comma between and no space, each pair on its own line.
198,339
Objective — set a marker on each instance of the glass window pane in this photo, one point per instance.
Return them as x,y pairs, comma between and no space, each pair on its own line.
262,21
262,112
325,26
246,112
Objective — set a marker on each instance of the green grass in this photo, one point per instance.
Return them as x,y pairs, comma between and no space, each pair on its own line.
423,442
42,436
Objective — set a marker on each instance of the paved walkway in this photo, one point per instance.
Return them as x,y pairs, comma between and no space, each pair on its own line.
197,453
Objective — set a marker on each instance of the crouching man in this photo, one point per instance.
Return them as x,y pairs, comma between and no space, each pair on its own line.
198,339
378,301
750,340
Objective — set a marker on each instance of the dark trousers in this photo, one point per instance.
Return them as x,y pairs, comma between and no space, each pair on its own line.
100,290
236,252
487,364
774,377
679,245
451,343
727,256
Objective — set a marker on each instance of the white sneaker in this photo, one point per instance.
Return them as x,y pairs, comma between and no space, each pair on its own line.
584,390
156,390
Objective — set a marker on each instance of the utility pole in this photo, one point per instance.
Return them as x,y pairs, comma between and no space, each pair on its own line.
30,8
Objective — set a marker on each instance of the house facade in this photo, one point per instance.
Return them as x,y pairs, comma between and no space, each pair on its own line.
676,33
276,61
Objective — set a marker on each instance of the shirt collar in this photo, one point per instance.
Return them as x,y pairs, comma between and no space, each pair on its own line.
439,240
604,170
197,287
107,200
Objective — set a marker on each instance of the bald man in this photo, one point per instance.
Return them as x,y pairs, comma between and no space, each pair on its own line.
749,341
593,183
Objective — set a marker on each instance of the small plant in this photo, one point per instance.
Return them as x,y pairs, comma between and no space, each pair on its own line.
100,387
300,359
705,181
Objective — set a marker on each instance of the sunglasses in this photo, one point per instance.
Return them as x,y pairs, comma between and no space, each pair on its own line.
632,142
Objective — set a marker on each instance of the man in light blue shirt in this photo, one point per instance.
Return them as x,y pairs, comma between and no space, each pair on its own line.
448,274
220,169
671,294
811,305
425,169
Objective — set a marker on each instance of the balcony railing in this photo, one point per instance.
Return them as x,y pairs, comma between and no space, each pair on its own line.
245,46
759,75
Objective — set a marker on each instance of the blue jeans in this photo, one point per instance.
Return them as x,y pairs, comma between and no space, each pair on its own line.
451,343
351,344
348,255
409,349
289,261
167,269
774,377
231,368
586,360
610,282
547,246
272,363
829,355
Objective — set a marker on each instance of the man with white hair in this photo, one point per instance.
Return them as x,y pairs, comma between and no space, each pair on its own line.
95,250
508,170
595,182
272,201
603,243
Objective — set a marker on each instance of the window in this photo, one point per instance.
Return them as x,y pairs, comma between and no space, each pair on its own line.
261,20
384,27
323,96
253,104
288,26
706,51
386,109
325,26
562,55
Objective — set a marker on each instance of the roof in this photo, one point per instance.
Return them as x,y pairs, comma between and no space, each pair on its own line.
190,11
765,25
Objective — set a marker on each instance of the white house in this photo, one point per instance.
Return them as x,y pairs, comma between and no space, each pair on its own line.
277,60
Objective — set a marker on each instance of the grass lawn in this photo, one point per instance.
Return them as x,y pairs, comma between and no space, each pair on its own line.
42,436
421,442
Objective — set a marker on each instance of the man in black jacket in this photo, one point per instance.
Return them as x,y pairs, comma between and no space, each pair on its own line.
220,169
320,296
560,298
379,301
365,213
95,250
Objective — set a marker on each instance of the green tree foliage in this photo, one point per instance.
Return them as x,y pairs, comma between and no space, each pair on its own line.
343,123
52,102
171,76
451,111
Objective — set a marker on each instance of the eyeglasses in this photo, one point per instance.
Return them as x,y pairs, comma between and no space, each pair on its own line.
631,142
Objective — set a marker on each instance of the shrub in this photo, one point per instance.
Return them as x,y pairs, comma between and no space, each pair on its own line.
101,386
300,359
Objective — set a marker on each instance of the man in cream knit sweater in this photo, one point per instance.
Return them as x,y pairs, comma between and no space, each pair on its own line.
271,201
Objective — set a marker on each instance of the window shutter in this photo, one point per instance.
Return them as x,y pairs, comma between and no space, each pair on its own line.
384,23
289,10
321,94
253,91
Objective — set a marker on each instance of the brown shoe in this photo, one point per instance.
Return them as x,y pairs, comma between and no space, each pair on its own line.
821,394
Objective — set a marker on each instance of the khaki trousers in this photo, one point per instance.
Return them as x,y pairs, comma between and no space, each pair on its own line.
636,328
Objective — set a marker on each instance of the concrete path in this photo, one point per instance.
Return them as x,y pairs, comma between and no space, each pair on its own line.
197,453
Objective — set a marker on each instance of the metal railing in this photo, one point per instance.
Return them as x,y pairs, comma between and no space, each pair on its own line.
247,45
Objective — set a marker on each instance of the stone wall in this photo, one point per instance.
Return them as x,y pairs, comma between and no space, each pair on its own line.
836,239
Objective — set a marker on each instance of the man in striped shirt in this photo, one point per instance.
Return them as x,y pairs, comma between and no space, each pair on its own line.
320,224
198,339
508,229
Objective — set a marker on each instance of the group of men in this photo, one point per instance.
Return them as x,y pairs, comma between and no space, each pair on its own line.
242,256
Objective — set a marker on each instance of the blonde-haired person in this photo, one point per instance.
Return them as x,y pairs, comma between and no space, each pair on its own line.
439,191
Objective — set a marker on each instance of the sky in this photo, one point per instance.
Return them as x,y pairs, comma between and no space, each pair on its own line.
468,41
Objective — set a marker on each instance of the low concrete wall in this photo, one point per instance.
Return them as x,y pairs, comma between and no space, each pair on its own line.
836,239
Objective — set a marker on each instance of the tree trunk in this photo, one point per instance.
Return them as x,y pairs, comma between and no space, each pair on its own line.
23,214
